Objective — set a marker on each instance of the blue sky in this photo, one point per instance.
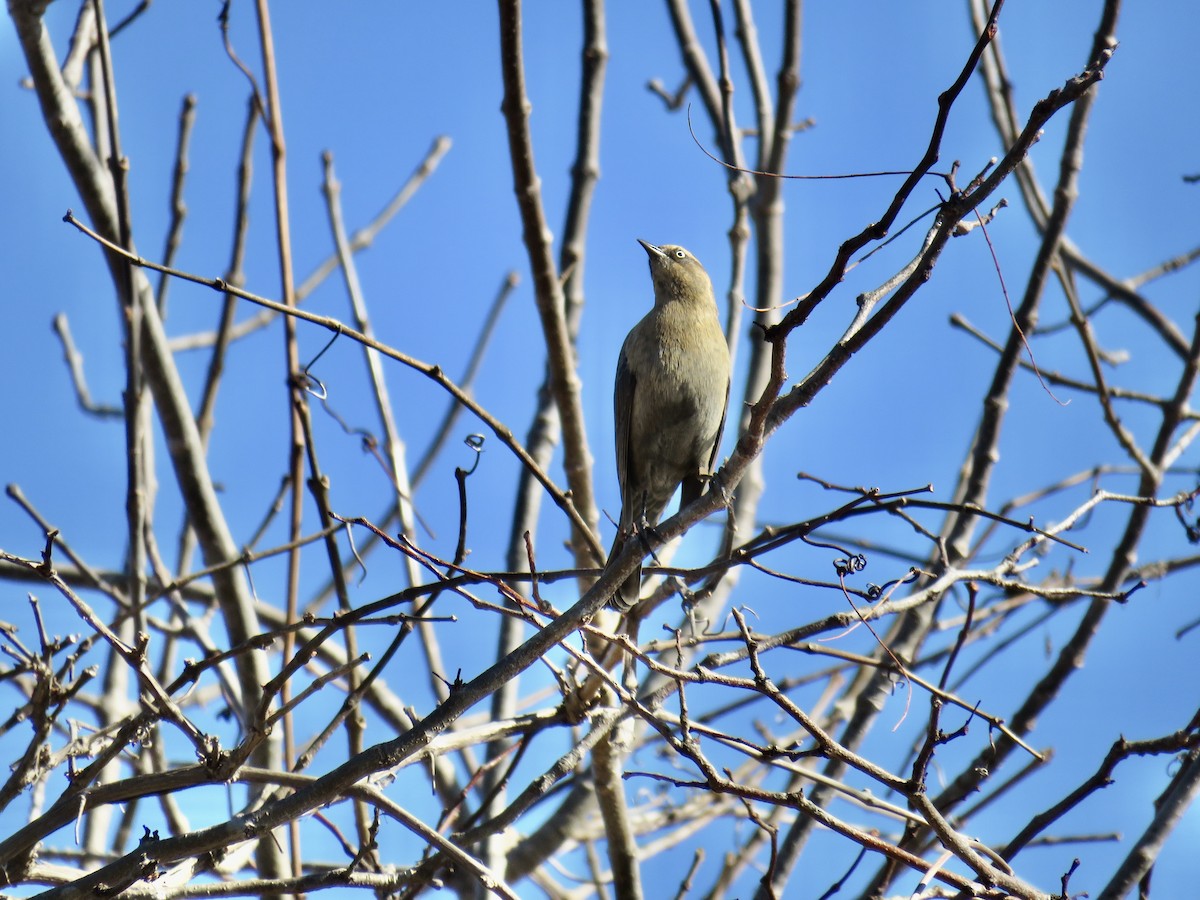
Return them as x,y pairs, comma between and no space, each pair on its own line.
376,82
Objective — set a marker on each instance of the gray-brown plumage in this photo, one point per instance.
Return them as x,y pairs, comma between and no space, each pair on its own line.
671,392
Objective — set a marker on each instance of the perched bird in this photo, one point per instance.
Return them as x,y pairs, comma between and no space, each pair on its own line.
670,398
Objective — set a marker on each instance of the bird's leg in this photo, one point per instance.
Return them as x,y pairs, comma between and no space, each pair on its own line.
716,482
645,533
641,527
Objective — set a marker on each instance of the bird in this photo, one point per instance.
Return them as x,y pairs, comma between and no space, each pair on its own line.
669,400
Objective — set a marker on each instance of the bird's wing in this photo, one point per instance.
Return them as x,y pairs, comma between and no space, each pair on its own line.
623,418
712,456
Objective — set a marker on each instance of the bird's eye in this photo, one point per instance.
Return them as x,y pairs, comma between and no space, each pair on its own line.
679,254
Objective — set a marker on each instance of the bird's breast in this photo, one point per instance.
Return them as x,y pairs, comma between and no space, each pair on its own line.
681,365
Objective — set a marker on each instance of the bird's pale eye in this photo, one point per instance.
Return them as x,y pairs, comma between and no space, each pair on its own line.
679,254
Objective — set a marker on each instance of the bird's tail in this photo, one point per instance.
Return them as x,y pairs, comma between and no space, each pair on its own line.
629,592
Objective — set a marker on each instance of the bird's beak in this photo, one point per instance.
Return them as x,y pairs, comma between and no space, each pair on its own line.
651,250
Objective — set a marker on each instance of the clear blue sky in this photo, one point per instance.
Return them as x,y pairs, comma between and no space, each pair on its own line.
376,82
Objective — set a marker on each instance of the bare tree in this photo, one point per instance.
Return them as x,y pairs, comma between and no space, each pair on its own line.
765,721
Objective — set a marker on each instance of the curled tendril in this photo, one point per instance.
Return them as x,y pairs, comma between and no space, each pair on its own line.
311,384
849,565
475,442
1191,528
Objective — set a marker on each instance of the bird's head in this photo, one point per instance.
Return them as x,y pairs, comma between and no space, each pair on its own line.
677,274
